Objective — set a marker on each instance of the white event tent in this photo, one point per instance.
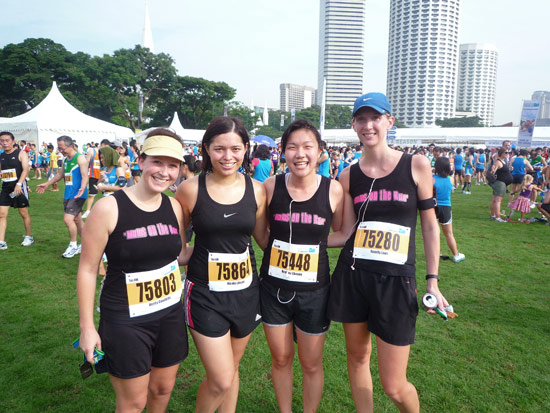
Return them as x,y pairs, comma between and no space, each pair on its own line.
189,136
54,116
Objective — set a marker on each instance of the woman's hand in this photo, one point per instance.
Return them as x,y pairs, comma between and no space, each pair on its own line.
433,288
89,341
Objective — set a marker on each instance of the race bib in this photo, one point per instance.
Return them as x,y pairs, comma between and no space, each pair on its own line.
96,164
9,175
155,290
294,262
69,179
382,241
229,272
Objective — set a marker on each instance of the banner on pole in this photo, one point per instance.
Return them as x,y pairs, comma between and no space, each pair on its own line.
527,123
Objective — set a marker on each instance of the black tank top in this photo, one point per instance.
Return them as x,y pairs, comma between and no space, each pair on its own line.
141,241
504,175
311,222
11,169
221,228
386,243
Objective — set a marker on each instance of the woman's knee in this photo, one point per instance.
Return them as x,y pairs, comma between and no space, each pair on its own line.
359,355
161,389
312,367
220,384
283,360
136,404
394,388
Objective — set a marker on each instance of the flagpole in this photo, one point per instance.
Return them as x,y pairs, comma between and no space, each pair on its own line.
323,101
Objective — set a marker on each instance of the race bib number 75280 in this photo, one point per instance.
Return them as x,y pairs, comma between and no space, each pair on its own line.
382,241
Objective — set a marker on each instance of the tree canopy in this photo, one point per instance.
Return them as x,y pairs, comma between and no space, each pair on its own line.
131,87
108,87
466,122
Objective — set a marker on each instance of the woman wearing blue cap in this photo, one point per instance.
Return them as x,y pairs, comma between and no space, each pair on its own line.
373,286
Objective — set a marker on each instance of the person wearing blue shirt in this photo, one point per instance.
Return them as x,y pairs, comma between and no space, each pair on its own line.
75,174
324,161
480,166
261,164
443,187
459,168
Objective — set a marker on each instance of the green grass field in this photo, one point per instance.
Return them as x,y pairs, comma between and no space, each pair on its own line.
495,357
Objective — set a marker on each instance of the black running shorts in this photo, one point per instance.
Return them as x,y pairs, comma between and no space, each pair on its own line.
132,349
92,186
387,304
444,214
307,309
21,201
213,314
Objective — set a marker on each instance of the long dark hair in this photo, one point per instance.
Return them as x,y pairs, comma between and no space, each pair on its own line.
219,126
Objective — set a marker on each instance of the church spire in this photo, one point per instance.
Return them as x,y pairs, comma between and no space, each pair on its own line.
147,40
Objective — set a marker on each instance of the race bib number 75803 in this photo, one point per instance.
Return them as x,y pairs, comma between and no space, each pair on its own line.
151,291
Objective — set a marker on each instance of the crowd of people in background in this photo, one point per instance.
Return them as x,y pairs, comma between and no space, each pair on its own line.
288,197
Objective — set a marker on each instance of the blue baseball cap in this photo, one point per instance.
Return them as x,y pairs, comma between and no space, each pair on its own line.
378,101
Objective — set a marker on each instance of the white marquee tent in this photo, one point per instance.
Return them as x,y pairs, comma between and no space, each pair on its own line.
54,116
188,136
450,136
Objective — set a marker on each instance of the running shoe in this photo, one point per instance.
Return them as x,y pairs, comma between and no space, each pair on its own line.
85,214
70,252
28,240
499,219
79,249
532,205
3,245
459,257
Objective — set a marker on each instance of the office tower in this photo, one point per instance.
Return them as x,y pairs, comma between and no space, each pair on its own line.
477,76
341,50
423,60
296,96
543,97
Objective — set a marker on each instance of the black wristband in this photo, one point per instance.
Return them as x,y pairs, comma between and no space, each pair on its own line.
428,276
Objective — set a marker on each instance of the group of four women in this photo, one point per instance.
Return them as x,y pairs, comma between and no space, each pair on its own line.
372,211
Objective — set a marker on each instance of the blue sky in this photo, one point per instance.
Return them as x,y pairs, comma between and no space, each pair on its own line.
254,45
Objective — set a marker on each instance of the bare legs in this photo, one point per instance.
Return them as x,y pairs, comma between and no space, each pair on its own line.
221,357
449,237
310,354
24,212
392,366
74,225
152,390
495,206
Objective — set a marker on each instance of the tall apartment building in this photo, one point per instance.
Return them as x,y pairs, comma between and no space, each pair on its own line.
341,50
543,97
477,77
423,60
296,96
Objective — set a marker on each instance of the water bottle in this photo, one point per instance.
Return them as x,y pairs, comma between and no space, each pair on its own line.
12,195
